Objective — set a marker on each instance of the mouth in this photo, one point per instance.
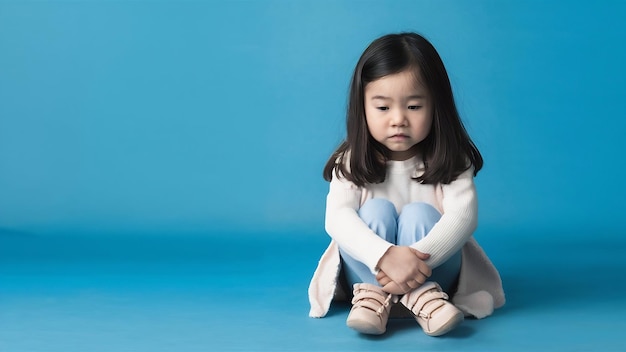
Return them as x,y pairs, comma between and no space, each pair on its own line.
399,136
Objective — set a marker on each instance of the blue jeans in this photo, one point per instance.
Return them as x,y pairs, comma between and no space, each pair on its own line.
414,223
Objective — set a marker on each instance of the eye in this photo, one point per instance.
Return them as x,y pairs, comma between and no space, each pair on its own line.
382,108
414,107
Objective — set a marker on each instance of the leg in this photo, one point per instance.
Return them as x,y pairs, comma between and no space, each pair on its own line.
380,215
414,223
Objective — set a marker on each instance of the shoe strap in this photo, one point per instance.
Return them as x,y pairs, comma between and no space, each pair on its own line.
385,304
420,302
426,312
378,302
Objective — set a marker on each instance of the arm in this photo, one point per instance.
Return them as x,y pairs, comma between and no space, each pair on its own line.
400,267
458,222
345,226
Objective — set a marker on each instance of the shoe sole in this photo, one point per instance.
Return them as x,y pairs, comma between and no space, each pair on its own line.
447,327
364,327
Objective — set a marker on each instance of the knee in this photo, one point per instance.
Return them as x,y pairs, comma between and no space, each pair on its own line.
378,209
421,212
416,221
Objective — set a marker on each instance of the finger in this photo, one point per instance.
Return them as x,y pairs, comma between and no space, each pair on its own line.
405,287
420,279
425,270
381,274
393,288
422,256
413,284
384,281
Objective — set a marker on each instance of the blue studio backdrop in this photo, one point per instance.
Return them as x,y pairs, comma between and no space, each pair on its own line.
194,116
208,119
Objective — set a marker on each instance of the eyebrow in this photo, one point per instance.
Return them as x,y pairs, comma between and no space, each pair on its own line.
410,97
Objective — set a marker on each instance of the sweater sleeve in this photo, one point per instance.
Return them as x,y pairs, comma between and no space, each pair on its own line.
344,225
457,223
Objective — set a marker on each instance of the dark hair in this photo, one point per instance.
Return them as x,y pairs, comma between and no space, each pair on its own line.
447,151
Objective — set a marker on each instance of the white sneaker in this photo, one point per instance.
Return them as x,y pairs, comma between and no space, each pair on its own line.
430,306
370,309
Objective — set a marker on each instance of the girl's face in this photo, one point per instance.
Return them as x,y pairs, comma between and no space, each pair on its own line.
398,112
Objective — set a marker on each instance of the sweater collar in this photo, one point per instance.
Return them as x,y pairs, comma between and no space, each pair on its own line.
402,166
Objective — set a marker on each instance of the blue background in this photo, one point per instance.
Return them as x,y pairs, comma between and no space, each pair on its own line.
141,139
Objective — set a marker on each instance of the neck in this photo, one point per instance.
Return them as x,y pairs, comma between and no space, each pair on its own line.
404,155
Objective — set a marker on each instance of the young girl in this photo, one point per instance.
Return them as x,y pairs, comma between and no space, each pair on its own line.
402,205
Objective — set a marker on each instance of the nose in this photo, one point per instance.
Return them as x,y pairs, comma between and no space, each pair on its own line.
398,119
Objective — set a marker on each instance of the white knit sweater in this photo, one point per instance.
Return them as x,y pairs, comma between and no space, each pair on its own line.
459,213
480,287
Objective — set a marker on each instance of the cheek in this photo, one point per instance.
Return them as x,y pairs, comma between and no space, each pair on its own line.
372,130
425,125
428,123
428,119
372,125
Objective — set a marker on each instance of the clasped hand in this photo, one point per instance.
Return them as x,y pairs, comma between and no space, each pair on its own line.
402,269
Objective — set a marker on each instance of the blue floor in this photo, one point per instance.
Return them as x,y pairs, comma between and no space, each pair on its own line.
185,293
